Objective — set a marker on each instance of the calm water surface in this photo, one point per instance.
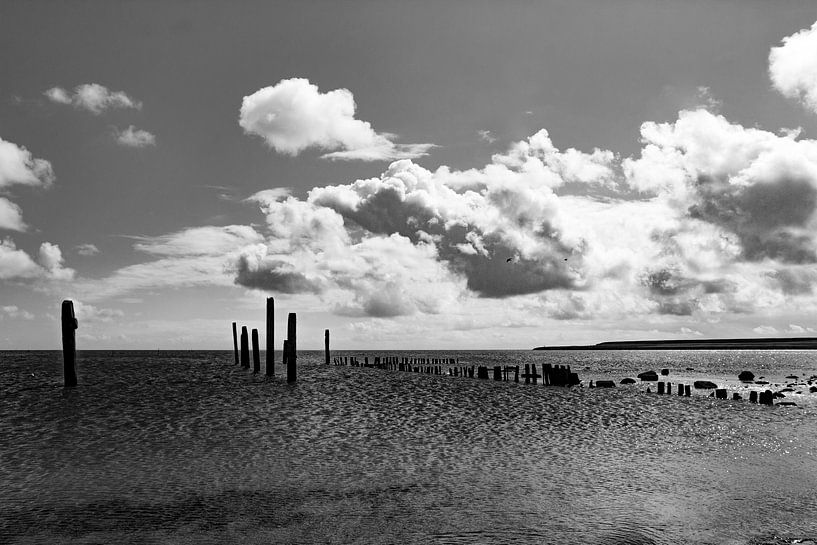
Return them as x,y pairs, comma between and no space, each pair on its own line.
188,448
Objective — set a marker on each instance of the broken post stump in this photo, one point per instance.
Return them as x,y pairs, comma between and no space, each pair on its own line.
235,344
69,343
256,357
291,347
270,337
245,348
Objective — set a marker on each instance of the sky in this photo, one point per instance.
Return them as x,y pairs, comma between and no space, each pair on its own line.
409,175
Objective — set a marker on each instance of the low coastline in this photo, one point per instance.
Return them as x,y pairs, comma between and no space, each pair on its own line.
792,343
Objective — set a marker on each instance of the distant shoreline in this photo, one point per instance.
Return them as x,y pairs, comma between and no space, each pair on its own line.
799,343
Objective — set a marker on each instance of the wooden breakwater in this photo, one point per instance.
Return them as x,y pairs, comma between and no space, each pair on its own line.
289,353
552,375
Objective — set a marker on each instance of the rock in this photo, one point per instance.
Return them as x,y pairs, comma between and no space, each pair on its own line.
736,396
812,389
784,390
778,395
690,368
793,377
704,385
788,404
761,382
605,384
746,376
665,372
627,380
648,376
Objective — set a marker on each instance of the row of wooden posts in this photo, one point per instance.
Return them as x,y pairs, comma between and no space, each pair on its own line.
764,398
289,358
552,375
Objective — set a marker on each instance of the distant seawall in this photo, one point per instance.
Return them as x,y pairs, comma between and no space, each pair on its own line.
798,343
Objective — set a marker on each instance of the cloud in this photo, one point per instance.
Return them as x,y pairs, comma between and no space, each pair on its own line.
19,167
766,330
793,67
198,256
11,217
757,186
294,115
13,311
92,97
486,136
86,249
135,138
87,313
16,264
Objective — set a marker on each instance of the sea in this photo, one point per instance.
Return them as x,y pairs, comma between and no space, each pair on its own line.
189,448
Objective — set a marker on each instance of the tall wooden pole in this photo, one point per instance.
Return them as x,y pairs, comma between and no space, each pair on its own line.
270,337
235,344
69,343
326,344
291,348
245,348
256,357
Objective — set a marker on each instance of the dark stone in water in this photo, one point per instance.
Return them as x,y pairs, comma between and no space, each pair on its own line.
761,382
648,376
665,372
793,377
778,395
784,390
788,404
690,368
629,380
605,384
746,376
704,385
812,389
736,396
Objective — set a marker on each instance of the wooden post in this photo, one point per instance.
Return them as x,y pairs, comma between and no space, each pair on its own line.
235,344
526,374
680,389
660,387
270,337
245,348
516,374
285,353
256,357
753,396
326,345
291,346
687,390
69,343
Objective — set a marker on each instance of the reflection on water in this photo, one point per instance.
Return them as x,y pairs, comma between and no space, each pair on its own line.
188,448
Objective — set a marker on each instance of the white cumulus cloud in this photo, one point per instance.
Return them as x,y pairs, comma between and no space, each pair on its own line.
293,115
92,97
135,138
793,67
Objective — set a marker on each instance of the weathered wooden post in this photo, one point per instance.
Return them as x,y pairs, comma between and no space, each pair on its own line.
753,396
69,343
245,348
720,393
680,389
687,390
235,344
256,357
270,337
660,387
326,345
291,347
526,374
285,353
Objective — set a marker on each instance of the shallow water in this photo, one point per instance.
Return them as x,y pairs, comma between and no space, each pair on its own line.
189,448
